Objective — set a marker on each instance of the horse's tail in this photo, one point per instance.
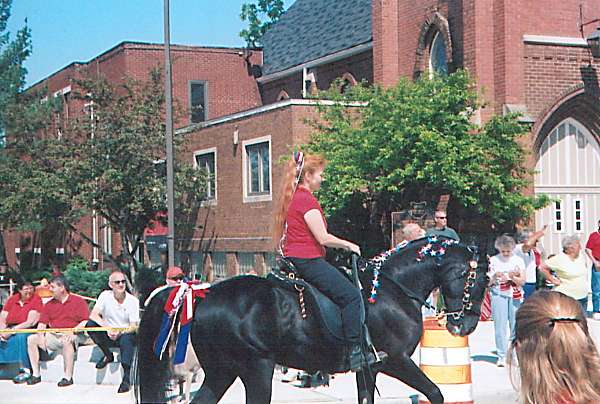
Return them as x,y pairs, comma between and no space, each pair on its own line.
151,374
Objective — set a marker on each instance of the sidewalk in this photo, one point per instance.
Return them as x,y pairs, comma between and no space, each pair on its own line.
491,385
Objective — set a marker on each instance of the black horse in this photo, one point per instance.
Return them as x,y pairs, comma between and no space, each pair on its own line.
246,325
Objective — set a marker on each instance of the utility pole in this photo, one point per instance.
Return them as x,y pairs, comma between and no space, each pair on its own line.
169,138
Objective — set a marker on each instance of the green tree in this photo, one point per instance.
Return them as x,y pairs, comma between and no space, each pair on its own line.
12,55
415,142
116,167
105,162
261,15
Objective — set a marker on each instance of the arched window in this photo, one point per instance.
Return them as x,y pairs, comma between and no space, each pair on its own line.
283,95
438,63
348,81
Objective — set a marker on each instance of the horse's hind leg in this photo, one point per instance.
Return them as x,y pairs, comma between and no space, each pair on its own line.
257,377
217,380
365,383
405,370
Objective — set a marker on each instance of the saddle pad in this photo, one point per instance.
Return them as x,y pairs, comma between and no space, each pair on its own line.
324,309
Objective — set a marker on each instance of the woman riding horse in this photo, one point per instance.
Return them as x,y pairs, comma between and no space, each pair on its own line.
302,230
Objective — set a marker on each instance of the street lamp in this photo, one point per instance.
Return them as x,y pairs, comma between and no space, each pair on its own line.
593,40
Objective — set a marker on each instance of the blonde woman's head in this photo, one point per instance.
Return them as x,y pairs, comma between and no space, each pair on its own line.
556,355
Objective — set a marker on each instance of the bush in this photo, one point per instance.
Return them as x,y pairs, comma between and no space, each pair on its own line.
83,281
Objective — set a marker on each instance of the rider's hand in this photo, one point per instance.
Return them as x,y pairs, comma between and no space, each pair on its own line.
353,247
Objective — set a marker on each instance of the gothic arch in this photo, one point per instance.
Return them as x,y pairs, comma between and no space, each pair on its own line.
575,103
435,23
283,95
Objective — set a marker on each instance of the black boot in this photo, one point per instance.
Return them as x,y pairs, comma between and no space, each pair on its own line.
357,359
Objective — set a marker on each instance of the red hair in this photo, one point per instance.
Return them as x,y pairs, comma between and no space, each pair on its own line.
312,163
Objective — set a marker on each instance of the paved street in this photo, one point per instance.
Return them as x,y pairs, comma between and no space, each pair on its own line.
491,385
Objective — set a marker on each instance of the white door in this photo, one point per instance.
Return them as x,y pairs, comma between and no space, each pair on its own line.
568,170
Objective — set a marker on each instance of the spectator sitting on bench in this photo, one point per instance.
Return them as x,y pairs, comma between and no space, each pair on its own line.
22,311
119,309
64,310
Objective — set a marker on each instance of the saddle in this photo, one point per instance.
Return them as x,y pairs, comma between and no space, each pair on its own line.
326,312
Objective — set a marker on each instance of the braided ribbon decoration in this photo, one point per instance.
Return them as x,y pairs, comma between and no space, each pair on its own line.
301,300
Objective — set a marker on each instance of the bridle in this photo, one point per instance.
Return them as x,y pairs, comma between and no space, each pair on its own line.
467,301
470,275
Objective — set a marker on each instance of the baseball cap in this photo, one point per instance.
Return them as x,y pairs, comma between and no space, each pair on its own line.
175,272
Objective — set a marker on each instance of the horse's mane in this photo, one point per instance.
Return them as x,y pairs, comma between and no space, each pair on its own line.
406,246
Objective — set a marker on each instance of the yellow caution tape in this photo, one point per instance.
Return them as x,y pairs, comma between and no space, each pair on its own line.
66,330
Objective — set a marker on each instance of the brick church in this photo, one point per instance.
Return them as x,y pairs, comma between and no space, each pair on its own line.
526,56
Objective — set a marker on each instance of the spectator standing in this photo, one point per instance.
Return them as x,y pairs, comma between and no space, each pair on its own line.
592,248
119,309
558,361
22,311
507,276
526,251
441,228
571,271
4,284
64,310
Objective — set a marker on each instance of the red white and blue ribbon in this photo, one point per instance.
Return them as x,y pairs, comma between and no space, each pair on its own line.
184,298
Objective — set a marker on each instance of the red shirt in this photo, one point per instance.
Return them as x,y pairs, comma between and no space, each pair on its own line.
299,240
593,244
63,315
18,311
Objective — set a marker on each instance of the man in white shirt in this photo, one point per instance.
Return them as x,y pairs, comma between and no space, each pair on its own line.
525,251
119,309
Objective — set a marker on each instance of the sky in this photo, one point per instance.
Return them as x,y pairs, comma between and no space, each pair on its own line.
66,31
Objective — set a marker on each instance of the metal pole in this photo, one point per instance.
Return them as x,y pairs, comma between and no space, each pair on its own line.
169,138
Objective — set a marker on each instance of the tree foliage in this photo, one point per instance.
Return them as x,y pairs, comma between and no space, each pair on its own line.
12,55
415,142
107,161
261,15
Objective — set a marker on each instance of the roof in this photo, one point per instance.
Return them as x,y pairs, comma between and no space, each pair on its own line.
311,29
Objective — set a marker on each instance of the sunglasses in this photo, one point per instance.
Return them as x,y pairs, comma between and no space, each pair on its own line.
439,217
122,281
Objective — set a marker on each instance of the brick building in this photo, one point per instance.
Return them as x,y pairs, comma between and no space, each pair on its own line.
208,82
526,56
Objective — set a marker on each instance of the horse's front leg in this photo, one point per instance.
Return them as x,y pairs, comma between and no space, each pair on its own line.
405,370
365,383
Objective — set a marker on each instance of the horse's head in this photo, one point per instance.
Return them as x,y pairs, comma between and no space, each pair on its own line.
462,281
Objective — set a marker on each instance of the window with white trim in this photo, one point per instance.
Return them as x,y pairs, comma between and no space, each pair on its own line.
438,63
558,216
578,215
206,160
198,91
257,169
106,237
219,264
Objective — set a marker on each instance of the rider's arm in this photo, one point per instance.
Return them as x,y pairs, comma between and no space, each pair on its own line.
315,223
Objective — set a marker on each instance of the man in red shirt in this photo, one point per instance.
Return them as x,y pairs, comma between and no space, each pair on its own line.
592,248
63,311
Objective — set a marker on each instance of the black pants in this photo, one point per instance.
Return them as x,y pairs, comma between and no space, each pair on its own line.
338,288
125,342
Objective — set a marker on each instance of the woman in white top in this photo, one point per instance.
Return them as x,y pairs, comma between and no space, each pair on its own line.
507,276
571,272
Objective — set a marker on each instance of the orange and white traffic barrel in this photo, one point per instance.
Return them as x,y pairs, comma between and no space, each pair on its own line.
446,360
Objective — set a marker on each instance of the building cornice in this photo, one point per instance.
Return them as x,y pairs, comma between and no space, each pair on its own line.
555,40
317,62
265,108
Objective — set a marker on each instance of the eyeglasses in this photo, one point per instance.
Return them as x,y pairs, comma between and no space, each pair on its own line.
440,217
121,281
